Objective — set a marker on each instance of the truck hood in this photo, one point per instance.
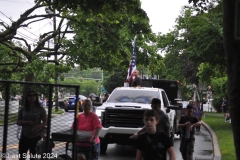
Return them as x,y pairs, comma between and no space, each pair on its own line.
105,105
125,105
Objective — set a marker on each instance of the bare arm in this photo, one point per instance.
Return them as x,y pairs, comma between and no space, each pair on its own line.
171,153
96,134
97,130
41,125
197,124
20,122
137,133
139,155
182,125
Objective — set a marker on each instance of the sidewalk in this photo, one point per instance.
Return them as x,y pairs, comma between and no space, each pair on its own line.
216,149
203,148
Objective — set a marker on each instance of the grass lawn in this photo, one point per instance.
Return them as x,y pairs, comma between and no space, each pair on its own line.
223,130
58,112
11,119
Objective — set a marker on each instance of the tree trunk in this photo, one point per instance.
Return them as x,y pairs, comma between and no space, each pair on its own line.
232,51
27,87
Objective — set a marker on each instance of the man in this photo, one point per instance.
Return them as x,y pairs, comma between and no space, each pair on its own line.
137,80
225,107
164,123
188,123
153,145
106,95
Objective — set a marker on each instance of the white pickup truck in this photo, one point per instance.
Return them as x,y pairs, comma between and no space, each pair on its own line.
122,114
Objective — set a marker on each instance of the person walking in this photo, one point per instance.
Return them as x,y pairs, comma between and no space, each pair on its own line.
225,107
188,123
153,145
164,123
31,117
137,80
106,95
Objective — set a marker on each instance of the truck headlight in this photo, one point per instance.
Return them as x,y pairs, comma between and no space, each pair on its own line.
99,112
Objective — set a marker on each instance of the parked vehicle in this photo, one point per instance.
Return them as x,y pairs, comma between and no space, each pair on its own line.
70,102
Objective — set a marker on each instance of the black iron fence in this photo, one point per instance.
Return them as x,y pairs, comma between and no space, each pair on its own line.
59,122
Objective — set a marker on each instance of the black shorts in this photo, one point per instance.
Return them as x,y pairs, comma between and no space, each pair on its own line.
225,109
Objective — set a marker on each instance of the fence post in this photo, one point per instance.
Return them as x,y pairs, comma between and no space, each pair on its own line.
5,129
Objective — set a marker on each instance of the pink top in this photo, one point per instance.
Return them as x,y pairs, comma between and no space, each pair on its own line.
89,123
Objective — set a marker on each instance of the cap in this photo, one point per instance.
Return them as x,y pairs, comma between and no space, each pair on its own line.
189,107
92,95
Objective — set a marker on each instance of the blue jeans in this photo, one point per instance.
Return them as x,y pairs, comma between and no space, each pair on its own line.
88,151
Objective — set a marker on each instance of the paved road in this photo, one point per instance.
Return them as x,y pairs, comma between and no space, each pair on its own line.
203,144
203,149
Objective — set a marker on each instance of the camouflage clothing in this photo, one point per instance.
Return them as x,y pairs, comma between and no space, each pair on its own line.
187,144
187,148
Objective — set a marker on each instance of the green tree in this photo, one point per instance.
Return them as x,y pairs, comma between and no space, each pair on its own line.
114,79
231,50
86,86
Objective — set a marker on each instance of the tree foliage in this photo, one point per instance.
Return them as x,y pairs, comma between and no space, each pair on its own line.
231,46
86,86
102,34
114,79
196,38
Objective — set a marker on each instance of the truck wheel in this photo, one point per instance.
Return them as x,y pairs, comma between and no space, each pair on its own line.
103,147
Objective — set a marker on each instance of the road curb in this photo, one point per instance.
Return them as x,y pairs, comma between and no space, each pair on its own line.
216,150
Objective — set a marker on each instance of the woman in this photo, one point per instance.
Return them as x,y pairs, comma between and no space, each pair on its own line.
32,117
88,121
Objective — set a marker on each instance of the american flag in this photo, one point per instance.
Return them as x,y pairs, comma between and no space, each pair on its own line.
132,65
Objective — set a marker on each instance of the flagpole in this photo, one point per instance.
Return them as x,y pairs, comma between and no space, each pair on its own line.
132,64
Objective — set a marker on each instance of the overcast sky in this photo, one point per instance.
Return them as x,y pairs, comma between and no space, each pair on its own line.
162,14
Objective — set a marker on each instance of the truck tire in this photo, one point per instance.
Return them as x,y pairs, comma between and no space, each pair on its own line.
103,147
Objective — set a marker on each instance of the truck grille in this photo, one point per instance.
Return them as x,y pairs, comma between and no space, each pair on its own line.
122,118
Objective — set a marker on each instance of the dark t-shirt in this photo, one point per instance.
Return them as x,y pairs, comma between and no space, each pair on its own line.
136,82
226,103
153,146
164,123
185,119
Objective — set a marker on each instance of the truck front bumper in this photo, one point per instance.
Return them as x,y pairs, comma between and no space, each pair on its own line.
117,135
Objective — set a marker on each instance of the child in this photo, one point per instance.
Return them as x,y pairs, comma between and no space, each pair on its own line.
41,145
152,144
81,157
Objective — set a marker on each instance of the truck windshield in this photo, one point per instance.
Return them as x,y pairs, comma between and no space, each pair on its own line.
135,96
